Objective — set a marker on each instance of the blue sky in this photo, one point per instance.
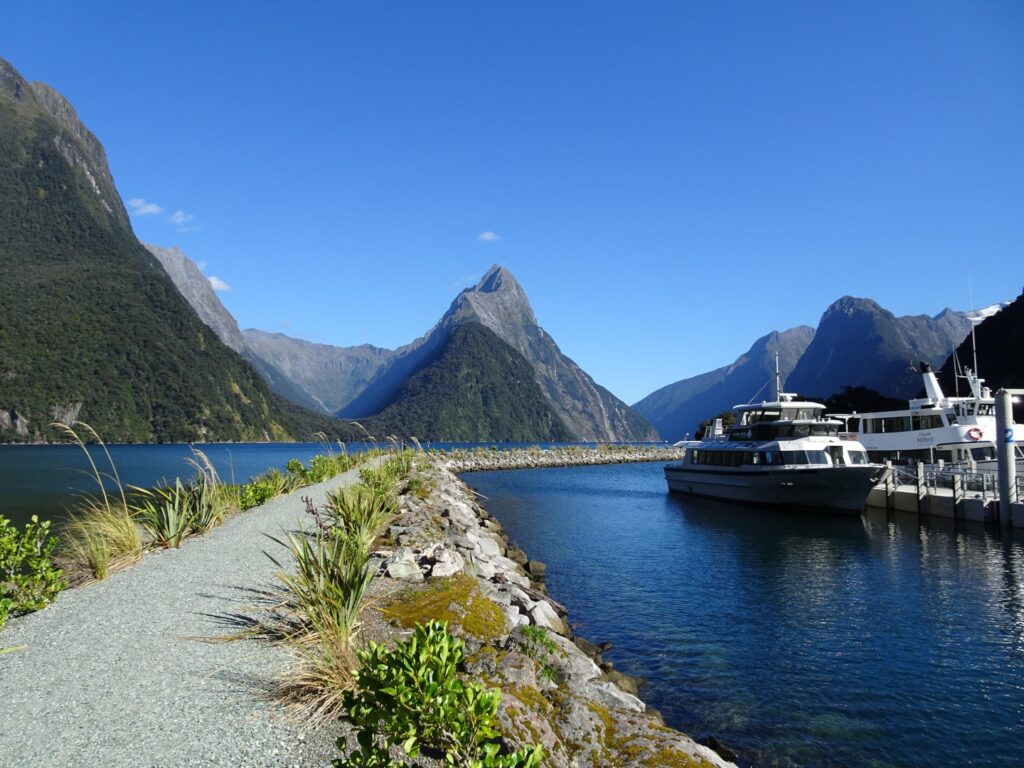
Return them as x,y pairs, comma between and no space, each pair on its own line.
668,181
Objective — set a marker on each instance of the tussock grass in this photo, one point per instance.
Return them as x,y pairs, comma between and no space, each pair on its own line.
101,534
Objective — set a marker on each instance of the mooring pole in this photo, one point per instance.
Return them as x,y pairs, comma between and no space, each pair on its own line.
1005,455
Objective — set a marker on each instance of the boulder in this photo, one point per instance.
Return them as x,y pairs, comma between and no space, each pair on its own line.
544,615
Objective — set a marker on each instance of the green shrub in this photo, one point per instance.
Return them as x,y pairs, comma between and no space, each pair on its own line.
28,578
412,696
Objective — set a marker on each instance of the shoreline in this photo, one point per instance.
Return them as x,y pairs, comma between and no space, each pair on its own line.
578,707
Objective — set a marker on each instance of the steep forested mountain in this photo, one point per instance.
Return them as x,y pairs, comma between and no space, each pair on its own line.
91,327
677,409
498,302
1000,340
858,343
473,386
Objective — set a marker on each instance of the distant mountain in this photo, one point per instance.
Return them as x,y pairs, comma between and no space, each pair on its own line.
858,343
326,377
499,303
320,377
677,409
1000,340
474,386
91,327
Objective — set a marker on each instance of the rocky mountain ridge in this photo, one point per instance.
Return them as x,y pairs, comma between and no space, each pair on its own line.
498,302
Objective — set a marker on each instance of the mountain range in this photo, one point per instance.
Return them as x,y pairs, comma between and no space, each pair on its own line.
857,344
133,339
385,388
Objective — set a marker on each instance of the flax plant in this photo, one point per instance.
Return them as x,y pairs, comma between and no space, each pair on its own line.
359,514
326,592
167,513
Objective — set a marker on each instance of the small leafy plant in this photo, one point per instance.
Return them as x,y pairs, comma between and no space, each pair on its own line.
28,578
413,697
538,646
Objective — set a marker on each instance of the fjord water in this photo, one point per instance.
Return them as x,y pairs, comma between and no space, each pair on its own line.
45,479
798,640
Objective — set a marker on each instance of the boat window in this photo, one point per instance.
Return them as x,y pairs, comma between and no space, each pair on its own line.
695,457
983,454
896,424
926,421
952,418
857,457
801,430
794,457
816,457
824,430
770,414
986,409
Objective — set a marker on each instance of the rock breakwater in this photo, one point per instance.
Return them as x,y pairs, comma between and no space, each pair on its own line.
448,558
488,459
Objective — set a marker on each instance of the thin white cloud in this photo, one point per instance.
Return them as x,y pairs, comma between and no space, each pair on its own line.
185,222
142,207
218,284
488,237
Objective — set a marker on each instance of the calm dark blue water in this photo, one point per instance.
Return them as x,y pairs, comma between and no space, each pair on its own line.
798,640
45,479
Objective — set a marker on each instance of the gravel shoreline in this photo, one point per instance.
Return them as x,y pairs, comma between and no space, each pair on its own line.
121,672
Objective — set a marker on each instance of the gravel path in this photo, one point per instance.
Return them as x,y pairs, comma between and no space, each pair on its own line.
118,673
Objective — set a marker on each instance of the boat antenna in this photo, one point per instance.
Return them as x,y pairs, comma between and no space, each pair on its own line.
778,379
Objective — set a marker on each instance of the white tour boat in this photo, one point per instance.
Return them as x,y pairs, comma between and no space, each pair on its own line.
781,453
935,428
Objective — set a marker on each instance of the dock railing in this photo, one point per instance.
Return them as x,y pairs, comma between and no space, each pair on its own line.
958,480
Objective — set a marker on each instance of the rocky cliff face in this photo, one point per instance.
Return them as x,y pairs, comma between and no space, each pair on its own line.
677,409
499,303
858,343
197,290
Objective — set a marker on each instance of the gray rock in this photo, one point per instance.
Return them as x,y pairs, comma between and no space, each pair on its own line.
544,615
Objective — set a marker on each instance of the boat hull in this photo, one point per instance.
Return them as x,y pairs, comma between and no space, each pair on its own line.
842,489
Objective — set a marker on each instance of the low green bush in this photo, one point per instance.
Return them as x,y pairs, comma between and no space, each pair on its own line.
412,697
29,580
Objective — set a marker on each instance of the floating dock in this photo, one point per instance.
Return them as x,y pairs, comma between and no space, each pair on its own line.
941,492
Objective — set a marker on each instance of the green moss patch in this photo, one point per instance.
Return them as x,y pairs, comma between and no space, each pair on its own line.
456,600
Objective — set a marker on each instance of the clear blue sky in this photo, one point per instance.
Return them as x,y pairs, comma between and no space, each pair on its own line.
668,181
